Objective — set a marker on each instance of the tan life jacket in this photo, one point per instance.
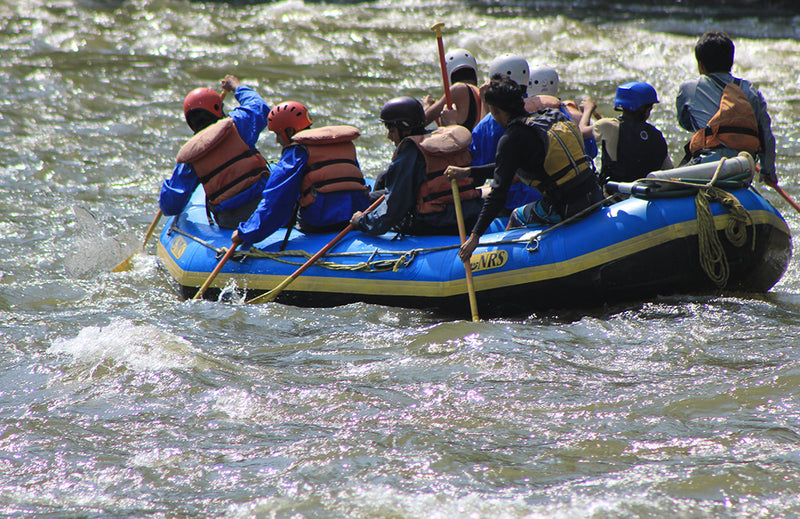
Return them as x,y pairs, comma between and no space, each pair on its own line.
332,164
734,125
224,163
540,102
445,146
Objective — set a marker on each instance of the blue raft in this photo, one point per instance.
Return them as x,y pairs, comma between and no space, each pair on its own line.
635,249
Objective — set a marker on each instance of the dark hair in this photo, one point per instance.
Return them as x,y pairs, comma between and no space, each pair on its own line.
504,93
464,75
714,50
200,118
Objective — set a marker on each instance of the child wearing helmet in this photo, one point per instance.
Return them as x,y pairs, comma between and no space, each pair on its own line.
317,179
631,146
462,71
418,197
233,186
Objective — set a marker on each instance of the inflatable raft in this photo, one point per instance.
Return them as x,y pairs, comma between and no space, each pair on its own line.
671,237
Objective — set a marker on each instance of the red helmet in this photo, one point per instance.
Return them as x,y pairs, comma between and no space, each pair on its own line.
204,98
289,114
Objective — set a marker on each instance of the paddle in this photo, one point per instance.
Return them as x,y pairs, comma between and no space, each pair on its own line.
473,301
216,270
125,264
774,185
272,294
437,28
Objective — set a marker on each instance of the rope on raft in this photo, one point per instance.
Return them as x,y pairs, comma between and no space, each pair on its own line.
712,255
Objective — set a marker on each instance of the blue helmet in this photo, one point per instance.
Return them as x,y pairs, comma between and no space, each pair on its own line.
634,95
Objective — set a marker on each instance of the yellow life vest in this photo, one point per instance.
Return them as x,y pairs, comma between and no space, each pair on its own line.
565,159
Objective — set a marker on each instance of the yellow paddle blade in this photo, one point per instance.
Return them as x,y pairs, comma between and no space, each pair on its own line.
124,265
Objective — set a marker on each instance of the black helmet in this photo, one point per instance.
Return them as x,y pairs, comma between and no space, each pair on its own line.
403,112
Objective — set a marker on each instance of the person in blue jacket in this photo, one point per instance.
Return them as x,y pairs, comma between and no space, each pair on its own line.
203,111
317,179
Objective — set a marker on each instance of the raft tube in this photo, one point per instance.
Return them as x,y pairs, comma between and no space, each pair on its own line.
631,250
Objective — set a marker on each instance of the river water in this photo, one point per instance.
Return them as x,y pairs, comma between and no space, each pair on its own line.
118,399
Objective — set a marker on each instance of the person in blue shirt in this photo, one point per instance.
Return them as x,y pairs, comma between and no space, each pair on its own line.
232,192
317,179
699,100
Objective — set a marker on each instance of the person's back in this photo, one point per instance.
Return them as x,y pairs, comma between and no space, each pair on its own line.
333,185
317,179
545,150
631,147
418,196
462,71
699,103
221,155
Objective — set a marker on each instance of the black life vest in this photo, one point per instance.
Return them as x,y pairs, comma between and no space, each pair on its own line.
641,148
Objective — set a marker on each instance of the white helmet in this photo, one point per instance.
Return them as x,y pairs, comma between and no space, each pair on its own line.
457,59
544,81
513,66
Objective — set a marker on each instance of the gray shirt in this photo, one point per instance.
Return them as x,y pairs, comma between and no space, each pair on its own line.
698,101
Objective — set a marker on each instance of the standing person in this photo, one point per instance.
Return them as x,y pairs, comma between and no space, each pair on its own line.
727,114
462,69
419,198
222,155
545,150
631,146
317,178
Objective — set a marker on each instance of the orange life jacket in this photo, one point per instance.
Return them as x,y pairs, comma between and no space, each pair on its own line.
445,146
224,163
540,102
332,165
734,125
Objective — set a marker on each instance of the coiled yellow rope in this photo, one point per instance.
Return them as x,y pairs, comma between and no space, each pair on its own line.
712,254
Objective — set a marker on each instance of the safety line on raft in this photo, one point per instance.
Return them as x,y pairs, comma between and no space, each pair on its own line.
713,258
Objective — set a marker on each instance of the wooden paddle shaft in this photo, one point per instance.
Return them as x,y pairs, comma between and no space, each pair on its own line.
437,27
272,294
462,233
216,271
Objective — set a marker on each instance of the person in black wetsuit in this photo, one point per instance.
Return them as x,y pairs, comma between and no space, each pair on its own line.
545,149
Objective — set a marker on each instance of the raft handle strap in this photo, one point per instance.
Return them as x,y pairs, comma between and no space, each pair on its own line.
533,243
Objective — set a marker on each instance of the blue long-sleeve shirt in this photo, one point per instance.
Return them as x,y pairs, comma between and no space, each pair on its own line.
250,118
699,100
281,193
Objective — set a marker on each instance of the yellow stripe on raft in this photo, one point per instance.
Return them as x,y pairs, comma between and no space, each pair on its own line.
484,281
